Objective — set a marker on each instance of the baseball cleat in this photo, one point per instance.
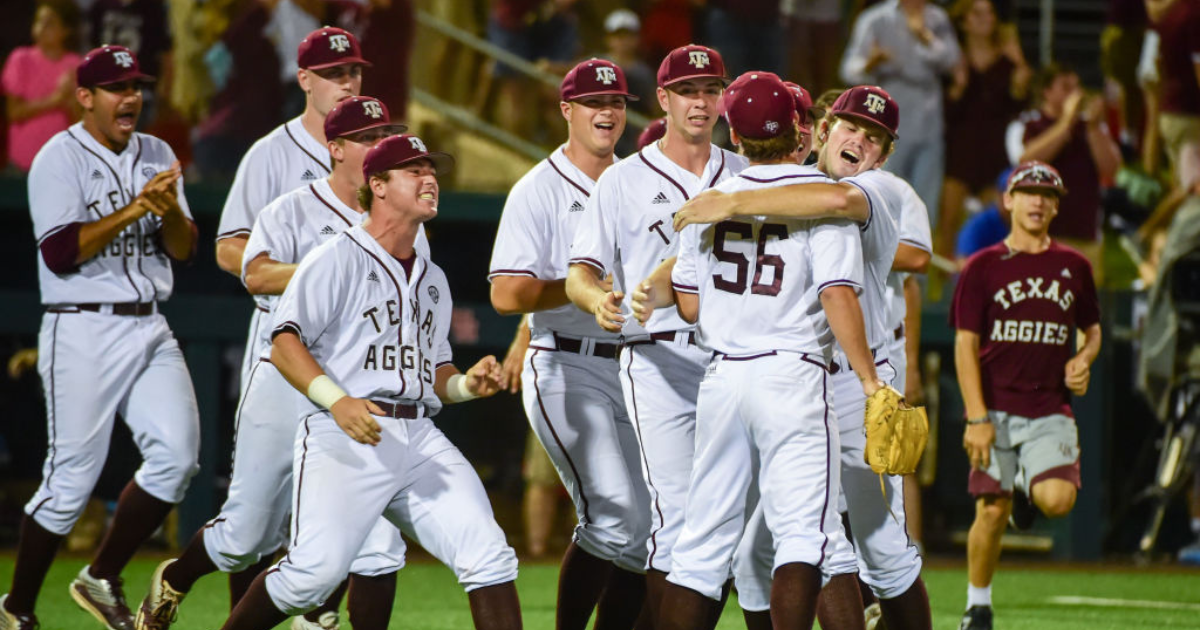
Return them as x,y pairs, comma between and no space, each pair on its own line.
1023,511
103,598
327,621
10,621
160,608
977,618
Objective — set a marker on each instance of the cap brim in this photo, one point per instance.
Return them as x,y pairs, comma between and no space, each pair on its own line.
345,61
689,77
627,95
400,128
868,119
131,76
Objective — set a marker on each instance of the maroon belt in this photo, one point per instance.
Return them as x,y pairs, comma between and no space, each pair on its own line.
663,336
139,309
602,350
403,411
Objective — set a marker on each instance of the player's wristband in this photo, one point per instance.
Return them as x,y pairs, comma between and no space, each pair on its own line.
456,389
323,391
979,420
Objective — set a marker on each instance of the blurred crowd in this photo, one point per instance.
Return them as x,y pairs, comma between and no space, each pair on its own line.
972,102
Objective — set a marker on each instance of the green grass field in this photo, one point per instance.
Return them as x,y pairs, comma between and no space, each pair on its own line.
428,597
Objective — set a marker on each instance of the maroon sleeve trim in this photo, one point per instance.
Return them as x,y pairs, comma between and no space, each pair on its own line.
286,327
60,248
683,288
511,272
587,261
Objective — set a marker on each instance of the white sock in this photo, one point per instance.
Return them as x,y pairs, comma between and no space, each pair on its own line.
979,595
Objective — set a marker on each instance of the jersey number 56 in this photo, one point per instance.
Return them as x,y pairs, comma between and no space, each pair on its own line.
745,231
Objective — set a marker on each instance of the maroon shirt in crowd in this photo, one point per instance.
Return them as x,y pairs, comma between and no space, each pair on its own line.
1079,212
1179,50
1025,309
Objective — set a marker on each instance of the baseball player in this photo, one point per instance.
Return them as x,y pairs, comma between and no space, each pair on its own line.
367,312
252,523
770,297
855,139
293,155
572,393
1017,307
625,230
109,216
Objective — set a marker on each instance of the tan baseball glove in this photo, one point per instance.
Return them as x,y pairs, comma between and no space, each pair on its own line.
896,433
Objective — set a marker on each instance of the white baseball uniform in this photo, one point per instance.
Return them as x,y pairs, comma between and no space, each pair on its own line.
765,403
104,348
626,229
283,160
253,520
913,224
572,393
381,334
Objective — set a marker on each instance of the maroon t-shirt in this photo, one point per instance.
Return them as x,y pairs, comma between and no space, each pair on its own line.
1079,210
1025,309
1179,49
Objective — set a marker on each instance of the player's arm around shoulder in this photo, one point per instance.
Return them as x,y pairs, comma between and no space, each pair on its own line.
819,200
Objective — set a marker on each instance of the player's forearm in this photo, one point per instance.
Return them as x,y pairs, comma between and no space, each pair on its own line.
178,236
1047,146
911,259
96,235
1091,344
584,287
268,277
970,380
804,201
912,321
294,361
441,379
846,320
19,109
512,295
229,254
688,306
661,287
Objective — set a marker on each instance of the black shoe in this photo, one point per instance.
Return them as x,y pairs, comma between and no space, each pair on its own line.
1023,511
977,618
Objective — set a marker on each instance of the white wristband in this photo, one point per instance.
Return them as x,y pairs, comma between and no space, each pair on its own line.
323,391
456,389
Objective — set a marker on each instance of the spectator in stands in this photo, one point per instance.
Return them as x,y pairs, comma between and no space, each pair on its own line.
1177,23
545,31
984,228
908,47
989,87
1120,44
290,22
39,81
1067,130
666,25
386,30
622,30
748,34
813,42
140,26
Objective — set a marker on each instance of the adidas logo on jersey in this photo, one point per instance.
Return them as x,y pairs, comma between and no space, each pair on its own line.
96,174
1066,273
328,231
575,207
660,198
372,277
308,176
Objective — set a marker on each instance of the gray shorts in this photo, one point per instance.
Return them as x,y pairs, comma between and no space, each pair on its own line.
1041,448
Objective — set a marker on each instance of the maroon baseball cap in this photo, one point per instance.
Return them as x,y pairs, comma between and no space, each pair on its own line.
690,62
804,103
1035,175
327,47
738,83
870,103
762,107
655,130
396,151
358,113
109,64
594,77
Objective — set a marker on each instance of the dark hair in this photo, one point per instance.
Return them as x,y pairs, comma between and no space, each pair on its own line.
366,196
68,13
771,149
1046,75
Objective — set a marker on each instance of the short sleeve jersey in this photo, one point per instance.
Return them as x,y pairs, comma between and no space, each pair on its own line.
541,216
880,237
292,226
377,331
1025,309
913,227
759,279
626,228
283,160
75,179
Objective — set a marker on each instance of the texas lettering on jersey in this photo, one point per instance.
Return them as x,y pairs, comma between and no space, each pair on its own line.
384,356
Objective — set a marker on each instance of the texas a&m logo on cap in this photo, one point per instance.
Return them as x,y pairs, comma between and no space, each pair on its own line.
417,145
698,58
875,103
606,75
373,109
340,43
123,59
